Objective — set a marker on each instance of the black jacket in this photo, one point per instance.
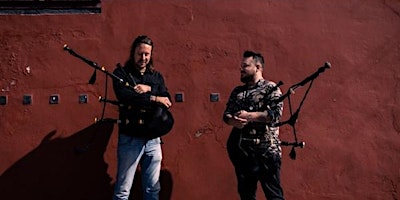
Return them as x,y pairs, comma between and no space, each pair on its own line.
136,109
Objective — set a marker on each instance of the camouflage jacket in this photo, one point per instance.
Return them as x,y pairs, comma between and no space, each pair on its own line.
258,98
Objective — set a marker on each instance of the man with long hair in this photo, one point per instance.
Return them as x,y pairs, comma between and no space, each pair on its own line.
134,146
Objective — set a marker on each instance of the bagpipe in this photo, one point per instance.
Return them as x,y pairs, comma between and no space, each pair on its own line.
155,120
295,114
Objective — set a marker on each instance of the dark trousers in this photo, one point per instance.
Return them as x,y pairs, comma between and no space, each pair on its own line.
253,165
268,174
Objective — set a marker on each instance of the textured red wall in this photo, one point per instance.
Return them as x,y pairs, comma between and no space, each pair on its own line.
350,119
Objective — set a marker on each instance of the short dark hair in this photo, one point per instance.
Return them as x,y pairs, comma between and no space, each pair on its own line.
256,56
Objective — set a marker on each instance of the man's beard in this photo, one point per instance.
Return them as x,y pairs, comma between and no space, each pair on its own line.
141,64
246,78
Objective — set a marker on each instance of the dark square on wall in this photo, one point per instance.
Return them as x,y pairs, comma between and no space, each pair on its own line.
214,97
83,98
179,97
3,100
54,98
27,99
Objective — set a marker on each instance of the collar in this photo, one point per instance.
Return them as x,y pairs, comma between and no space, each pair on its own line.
136,71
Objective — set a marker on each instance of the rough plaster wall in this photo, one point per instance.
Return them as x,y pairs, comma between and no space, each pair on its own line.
350,119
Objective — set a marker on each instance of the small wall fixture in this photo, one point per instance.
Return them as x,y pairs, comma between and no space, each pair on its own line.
54,98
214,97
3,100
27,99
179,97
83,98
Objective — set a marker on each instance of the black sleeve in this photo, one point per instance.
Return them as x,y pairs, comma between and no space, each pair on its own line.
160,87
125,94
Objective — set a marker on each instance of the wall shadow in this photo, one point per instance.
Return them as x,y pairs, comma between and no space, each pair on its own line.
62,168
69,168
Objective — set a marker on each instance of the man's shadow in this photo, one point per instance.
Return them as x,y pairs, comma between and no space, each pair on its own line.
68,168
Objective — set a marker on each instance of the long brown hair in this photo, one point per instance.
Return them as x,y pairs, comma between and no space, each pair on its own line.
141,39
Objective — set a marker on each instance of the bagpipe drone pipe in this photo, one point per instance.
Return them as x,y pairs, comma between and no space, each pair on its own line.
156,120
294,114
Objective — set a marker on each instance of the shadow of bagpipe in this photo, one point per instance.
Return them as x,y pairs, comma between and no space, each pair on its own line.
62,168
70,168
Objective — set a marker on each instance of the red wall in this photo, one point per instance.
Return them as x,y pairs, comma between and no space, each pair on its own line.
350,119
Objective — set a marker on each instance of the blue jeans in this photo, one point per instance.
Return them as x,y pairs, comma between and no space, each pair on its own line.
131,151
